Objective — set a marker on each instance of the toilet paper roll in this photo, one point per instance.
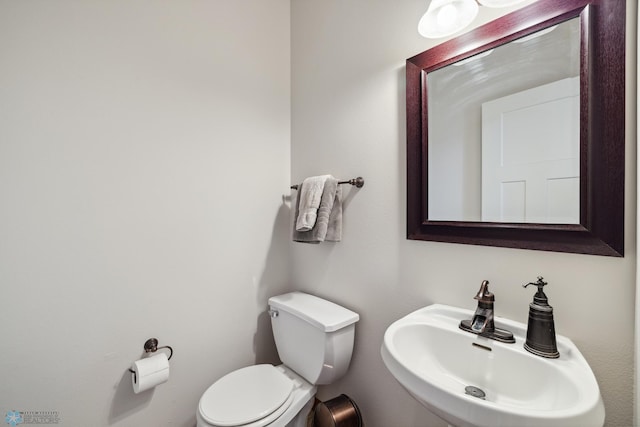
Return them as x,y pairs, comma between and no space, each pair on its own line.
150,372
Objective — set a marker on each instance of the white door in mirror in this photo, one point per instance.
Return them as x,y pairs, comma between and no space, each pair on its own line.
531,155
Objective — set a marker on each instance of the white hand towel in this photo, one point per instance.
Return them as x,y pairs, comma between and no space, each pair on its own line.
309,195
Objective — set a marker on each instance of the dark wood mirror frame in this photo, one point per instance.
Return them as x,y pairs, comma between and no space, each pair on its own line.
602,131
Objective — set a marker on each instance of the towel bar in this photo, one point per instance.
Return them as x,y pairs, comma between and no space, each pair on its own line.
358,182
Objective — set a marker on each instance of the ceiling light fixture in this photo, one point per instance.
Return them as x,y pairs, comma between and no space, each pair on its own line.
446,17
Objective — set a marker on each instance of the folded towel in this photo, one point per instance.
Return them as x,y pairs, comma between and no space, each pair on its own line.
334,229
309,195
328,225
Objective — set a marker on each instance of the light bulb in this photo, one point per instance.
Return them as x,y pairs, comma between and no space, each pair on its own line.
447,16
499,3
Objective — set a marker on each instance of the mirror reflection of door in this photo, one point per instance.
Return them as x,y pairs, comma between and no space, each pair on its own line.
454,132
531,155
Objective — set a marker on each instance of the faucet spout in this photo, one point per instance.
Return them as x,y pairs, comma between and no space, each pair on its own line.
482,322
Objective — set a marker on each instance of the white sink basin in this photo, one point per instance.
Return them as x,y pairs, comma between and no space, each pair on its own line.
435,361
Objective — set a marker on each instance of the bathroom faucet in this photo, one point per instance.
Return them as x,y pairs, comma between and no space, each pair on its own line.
482,322
483,318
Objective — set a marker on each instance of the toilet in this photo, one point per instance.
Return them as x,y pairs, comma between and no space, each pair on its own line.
314,338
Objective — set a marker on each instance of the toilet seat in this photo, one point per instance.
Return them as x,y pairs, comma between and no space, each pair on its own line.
250,397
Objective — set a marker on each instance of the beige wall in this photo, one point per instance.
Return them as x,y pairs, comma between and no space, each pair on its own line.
348,119
144,151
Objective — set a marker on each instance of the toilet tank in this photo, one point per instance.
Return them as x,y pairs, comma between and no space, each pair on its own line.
314,336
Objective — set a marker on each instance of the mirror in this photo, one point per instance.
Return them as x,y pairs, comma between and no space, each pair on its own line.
515,132
517,157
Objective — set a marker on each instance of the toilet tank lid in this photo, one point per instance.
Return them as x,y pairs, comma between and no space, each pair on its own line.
321,313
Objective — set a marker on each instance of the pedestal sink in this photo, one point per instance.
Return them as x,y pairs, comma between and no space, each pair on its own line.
470,380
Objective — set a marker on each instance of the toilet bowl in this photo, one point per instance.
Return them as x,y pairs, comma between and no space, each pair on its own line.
314,338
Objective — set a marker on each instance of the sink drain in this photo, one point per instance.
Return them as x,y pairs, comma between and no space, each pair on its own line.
475,392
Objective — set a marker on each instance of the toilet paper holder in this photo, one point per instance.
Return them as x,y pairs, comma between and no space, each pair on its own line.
151,346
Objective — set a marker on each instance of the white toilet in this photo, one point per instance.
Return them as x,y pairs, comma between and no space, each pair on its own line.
314,338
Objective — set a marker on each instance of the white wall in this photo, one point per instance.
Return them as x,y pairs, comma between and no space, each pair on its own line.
348,119
144,152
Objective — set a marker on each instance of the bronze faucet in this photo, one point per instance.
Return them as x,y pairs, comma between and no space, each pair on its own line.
482,322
